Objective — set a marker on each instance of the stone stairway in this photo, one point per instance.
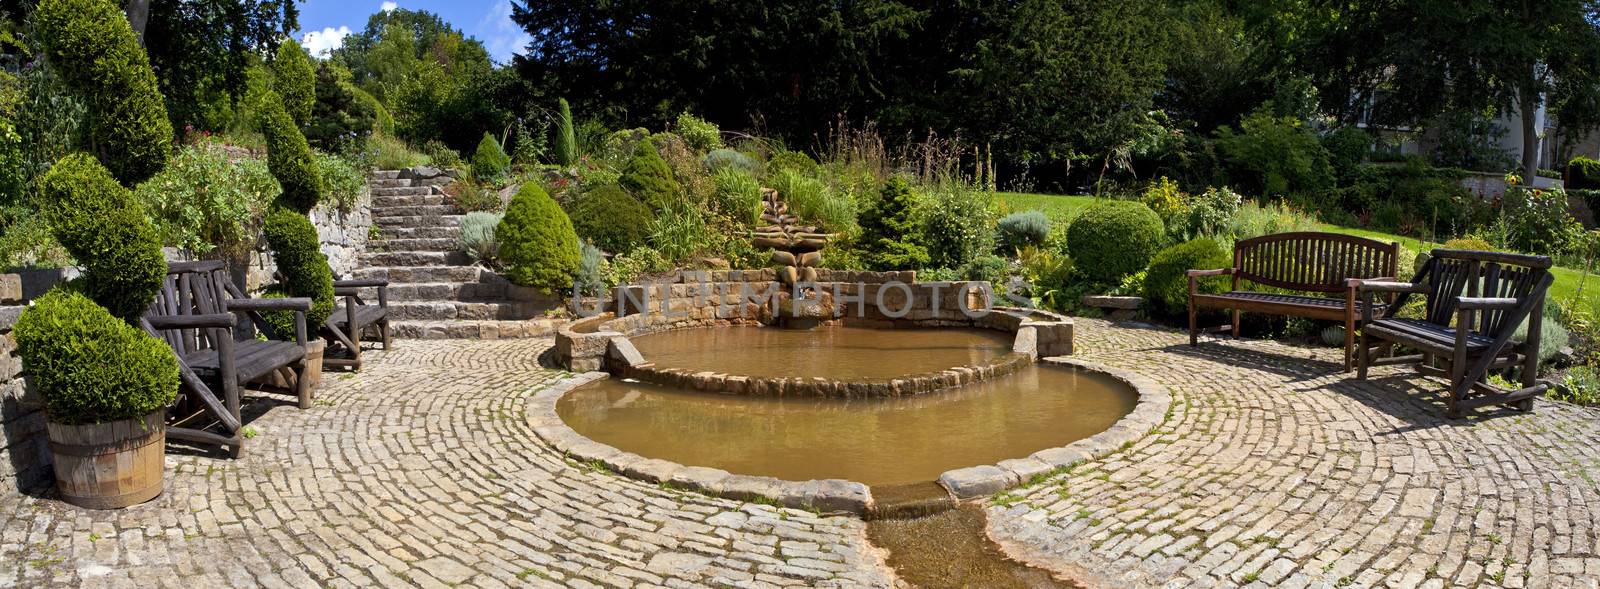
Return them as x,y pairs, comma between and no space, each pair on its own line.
434,290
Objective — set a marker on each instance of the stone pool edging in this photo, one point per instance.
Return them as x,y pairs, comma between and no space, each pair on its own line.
814,387
1148,412
826,495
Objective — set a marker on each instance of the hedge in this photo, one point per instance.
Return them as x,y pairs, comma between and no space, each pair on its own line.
647,177
1166,282
612,220
89,366
489,162
303,268
92,48
295,80
1114,239
289,156
537,241
101,224
1583,174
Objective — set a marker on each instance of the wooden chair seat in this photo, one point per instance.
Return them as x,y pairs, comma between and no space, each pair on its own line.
1305,306
253,359
365,315
1422,334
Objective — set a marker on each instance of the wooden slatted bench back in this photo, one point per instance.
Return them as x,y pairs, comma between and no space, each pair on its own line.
1313,261
190,288
1453,273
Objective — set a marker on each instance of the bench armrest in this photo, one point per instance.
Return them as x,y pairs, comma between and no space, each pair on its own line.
192,321
363,283
1387,286
1357,282
1215,272
1477,303
284,304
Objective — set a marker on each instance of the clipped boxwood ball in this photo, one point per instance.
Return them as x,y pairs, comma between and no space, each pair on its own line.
90,366
104,227
1113,239
1166,282
537,241
611,219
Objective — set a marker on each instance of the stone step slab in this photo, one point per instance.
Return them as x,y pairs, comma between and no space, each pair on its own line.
418,221
531,328
452,233
384,175
388,183
416,211
409,200
458,310
416,244
420,274
403,191
415,258
490,288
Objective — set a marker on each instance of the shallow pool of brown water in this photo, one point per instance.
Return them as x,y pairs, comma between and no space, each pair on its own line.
873,441
839,353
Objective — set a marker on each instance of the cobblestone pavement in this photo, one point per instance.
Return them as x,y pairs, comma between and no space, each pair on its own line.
1277,469
420,471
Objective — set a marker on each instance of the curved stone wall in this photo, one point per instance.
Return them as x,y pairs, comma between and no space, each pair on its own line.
911,384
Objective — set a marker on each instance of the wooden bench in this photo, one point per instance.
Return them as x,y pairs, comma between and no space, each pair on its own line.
355,321
195,314
1314,262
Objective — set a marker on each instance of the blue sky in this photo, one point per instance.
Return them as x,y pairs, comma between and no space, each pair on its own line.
323,23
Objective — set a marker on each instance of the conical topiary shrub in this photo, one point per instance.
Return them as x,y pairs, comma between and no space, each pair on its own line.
537,241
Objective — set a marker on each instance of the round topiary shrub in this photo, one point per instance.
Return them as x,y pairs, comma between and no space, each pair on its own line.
295,81
612,220
1113,239
1166,282
1019,230
537,241
303,268
490,162
89,366
648,178
289,156
92,48
101,224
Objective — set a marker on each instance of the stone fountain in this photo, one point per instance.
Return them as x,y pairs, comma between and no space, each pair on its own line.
796,250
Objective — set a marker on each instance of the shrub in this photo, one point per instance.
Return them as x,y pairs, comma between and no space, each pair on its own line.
1552,337
647,177
1537,221
537,241
204,201
1468,243
722,159
987,267
619,145
737,194
302,269
1253,220
104,228
591,277
1347,149
1276,155
89,366
1208,213
528,145
812,200
679,232
1583,174
1164,197
295,81
611,220
695,184
91,46
889,231
392,153
1113,239
441,154
1024,229
343,183
1580,385
477,237
490,162
566,138
643,260
289,157
791,161
701,135
958,224
471,196
1047,271
1166,282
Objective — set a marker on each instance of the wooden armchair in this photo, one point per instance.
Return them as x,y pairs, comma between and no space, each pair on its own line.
355,321
1487,295
195,313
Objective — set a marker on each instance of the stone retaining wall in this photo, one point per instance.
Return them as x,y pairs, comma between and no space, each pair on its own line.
24,448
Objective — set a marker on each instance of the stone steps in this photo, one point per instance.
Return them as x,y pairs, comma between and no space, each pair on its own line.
403,190
417,244
416,211
489,288
456,310
414,258
408,200
431,221
384,175
392,233
470,329
419,274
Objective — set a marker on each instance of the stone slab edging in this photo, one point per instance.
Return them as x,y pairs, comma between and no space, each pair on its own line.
1151,409
822,387
826,496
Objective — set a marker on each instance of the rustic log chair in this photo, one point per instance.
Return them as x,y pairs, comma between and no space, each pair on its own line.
1489,295
1299,261
194,312
355,321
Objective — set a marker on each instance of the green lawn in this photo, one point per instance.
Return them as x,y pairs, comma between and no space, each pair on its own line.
1066,207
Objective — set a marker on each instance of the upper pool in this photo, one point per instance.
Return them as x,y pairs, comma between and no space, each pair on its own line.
839,353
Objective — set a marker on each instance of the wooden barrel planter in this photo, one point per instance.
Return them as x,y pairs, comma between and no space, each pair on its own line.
110,465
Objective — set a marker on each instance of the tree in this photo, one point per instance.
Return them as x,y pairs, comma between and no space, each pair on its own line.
340,114
200,50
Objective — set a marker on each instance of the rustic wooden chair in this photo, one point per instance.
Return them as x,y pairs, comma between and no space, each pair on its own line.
355,321
1488,295
195,313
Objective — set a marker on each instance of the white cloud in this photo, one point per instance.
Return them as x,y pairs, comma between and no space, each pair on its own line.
500,35
322,43
389,6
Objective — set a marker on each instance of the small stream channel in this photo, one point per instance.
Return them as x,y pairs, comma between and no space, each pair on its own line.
935,543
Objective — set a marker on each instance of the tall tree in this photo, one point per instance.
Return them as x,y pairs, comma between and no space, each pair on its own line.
200,50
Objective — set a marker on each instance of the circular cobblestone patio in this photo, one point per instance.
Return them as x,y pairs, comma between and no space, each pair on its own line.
1273,469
